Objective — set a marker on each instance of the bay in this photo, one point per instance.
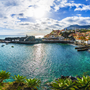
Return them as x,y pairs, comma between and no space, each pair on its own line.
43,61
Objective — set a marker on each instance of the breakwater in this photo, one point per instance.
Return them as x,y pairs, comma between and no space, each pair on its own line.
35,42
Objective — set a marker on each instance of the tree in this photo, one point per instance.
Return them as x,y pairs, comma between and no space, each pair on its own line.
4,75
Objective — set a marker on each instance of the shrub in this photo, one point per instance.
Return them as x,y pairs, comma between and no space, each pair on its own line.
33,83
4,75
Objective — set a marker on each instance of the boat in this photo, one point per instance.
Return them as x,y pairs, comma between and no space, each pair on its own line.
2,45
83,49
12,46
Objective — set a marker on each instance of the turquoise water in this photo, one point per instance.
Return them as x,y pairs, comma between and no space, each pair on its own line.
44,61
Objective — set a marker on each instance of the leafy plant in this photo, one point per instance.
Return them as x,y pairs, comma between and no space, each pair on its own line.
83,83
4,75
19,79
33,83
62,84
67,84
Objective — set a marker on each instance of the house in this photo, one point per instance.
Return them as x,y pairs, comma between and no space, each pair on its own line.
79,40
61,38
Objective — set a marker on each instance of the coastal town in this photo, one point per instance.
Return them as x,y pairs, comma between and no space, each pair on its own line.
78,36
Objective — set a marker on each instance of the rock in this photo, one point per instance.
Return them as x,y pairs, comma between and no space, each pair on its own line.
72,78
78,77
62,77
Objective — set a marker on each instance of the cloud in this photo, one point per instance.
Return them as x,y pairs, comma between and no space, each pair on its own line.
25,16
65,3
84,7
75,20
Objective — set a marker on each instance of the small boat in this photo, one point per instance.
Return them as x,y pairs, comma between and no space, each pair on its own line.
84,49
81,47
12,46
2,45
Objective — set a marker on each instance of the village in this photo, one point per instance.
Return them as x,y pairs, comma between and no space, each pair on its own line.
81,36
77,36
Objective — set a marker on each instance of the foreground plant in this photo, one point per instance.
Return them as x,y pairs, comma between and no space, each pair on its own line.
83,83
67,84
62,84
19,80
4,75
33,83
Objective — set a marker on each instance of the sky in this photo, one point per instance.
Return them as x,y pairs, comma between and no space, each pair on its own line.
40,17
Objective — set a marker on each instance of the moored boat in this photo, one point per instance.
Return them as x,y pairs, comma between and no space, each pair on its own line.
84,49
81,47
2,45
12,46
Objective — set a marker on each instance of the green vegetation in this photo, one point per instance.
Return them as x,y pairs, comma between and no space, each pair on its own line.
22,83
68,84
62,84
32,83
4,75
83,30
19,80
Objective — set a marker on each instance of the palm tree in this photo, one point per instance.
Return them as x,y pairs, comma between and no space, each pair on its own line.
33,83
4,75
19,79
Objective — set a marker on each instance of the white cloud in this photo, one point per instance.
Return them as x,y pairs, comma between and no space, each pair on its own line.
84,7
65,3
37,9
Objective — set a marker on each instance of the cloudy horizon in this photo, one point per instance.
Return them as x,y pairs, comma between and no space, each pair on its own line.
39,17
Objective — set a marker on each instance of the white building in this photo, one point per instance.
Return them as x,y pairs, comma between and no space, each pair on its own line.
61,38
87,42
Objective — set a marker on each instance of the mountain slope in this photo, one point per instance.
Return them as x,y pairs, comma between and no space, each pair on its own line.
77,27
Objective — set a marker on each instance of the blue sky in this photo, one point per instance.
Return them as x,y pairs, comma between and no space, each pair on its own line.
39,17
